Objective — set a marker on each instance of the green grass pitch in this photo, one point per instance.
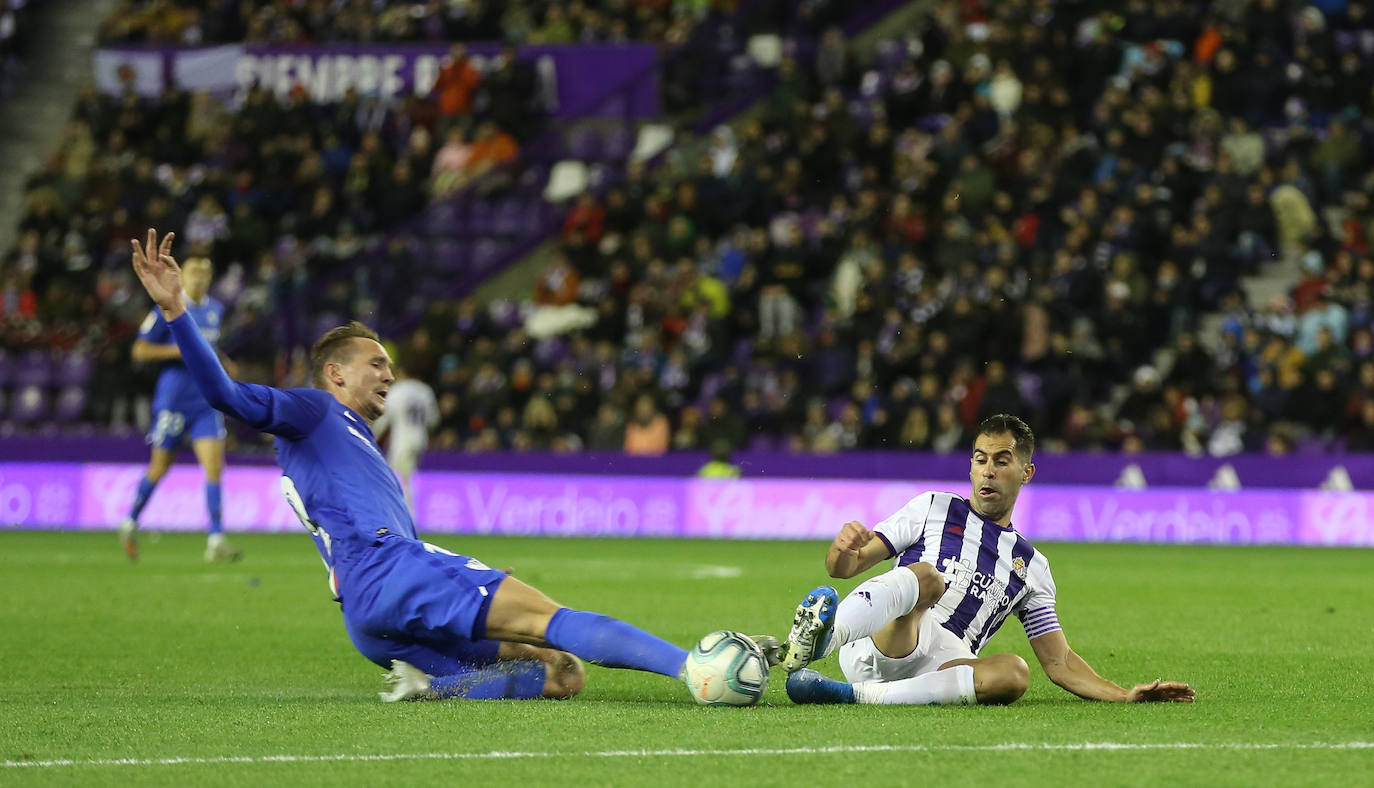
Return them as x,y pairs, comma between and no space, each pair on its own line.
245,672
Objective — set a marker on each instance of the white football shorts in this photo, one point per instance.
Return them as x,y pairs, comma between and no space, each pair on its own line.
935,645
404,458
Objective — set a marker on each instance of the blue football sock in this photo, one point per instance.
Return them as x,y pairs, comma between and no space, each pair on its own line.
602,640
520,680
212,502
145,491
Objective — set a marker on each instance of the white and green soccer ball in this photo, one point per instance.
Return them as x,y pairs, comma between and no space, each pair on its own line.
726,669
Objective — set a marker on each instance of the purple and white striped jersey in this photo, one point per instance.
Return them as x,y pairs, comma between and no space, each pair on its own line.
990,571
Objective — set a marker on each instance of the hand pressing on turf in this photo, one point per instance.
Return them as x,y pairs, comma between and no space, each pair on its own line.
1159,691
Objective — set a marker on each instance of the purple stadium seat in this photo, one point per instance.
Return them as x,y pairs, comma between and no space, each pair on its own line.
480,214
710,385
889,56
443,218
585,144
506,219
835,408
761,442
532,218
71,403
448,255
325,322
619,142
534,177
34,369
931,123
862,112
743,349
74,369
485,253
549,351
1314,445
28,405
1028,386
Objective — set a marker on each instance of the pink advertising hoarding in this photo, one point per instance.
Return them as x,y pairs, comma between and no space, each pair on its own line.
96,496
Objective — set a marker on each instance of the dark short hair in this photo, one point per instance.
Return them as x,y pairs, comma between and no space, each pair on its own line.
336,347
1020,432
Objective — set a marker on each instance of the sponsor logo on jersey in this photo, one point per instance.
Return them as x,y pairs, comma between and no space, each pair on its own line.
964,576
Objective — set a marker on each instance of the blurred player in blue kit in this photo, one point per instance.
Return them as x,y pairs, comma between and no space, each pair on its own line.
180,411
446,625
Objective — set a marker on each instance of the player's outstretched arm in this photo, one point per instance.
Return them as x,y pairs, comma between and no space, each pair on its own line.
854,551
261,407
1068,670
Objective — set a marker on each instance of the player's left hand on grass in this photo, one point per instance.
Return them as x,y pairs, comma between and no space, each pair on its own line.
1159,691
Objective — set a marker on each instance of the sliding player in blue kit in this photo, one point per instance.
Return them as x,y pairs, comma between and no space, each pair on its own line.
445,624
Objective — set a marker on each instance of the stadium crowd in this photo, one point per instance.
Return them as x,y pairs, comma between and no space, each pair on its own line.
279,191
1014,210
1020,206
324,21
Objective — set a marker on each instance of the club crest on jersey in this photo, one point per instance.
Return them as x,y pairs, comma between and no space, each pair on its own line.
1018,566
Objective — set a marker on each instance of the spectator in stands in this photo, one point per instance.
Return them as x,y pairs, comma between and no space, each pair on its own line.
558,283
647,432
455,87
587,217
451,169
492,147
509,91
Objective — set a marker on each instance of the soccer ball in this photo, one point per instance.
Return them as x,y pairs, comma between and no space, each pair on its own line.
726,669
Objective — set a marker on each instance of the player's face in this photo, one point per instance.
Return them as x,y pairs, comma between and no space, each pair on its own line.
367,378
997,475
196,274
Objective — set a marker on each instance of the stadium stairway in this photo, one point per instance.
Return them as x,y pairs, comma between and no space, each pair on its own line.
35,114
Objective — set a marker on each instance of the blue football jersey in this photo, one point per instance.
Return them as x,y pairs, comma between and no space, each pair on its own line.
176,390
334,475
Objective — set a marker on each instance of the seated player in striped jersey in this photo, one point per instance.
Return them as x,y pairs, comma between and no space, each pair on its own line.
912,635
448,626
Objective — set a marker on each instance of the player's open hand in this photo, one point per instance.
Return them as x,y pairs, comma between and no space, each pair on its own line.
1160,692
852,537
159,273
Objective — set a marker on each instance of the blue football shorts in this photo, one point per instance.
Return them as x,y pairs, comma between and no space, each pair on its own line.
171,427
412,601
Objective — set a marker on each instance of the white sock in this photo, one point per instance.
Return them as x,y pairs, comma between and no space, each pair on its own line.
214,540
951,686
874,605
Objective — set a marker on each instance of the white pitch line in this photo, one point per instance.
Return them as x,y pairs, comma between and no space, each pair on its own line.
842,749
